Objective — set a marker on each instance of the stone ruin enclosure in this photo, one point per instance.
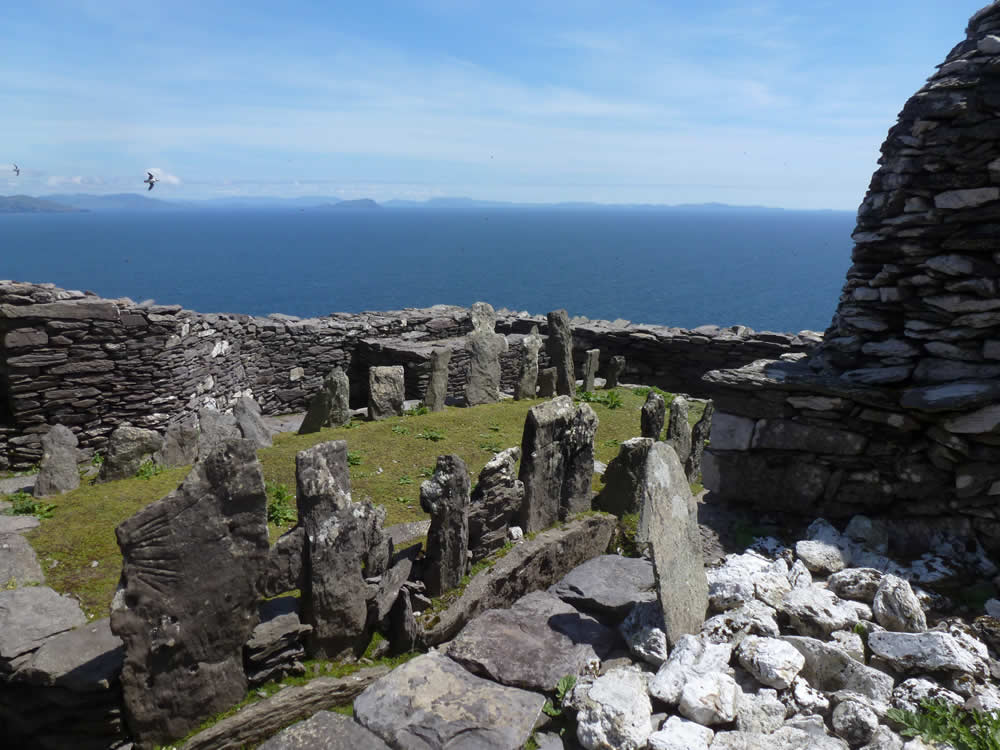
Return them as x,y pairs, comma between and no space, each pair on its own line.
897,413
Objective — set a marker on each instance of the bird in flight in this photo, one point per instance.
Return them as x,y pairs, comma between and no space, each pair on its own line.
17,171
151,181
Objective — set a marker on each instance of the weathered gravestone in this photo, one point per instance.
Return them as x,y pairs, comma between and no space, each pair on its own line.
437,384
527,379
330,405
445,496
494,503
187,599
559,346
669,522
485,347
57,472
679,428
699,435
654,413
591,361
251,423
557,462
547,382
128,448
623,477
180,446
616,366
385,392
338,535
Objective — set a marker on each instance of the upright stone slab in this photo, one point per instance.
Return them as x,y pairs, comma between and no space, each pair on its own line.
679,428
484,347
336,544
330,406
437,384
180,446
215,427
385,392
623,478
187,599
654,414
494,503
445,496
547,382
559,346
128,448
591,361
251,422
676,543
616,366
527,380
557,462
699,436
57,471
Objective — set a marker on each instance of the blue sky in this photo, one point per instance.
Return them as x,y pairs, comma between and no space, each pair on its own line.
771,103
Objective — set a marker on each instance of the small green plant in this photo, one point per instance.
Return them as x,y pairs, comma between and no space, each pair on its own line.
430,433
280,508
555,708
401,429
490,444
613,400
23,504
427,471
405,480
940,721
403,500
416,411
149,469
493,427
354,458
97,460
612,443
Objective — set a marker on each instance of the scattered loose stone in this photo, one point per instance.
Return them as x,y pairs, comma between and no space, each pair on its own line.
678,734
860,584
643,632
772,661
896,607
710,699
613,711
930,651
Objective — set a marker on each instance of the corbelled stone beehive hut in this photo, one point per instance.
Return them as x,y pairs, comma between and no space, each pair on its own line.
898,412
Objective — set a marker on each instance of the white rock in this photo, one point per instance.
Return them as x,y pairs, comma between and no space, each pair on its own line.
851,643
772,661
752,618
799,576
854,722
710,699
872,534
806,699
817,612
908,694
821,557
830,669
691,657
896,607
859,584
613,711
731,584
985,697
931,651
679,734
931,568
769,547
884,739
771,584
760,712
515,534
643,633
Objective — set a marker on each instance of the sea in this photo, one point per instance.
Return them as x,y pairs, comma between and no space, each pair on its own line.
767,269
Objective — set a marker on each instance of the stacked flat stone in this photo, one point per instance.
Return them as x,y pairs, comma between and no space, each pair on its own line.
897,410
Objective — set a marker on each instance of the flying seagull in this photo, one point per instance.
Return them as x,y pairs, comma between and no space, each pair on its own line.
151,181
17,171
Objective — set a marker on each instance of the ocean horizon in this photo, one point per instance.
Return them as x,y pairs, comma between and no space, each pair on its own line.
767,269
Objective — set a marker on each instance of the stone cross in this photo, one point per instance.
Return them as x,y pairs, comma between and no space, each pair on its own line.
485,347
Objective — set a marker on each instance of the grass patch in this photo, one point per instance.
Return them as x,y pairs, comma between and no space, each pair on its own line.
25,504
939,721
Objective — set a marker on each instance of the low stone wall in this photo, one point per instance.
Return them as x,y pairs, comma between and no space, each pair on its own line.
92,363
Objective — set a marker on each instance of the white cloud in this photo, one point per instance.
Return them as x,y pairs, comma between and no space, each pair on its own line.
63,180
164,176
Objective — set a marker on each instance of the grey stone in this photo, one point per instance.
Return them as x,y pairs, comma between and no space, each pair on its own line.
691,657
760,712
445,497
613,711
86,659
829,668
547,382
679,429
18,563
58,472
385,392
325,729
275,649
30,616
184,630
214,428
784,434
616,366
730,432
493,504
624,478
284,569
699,437
532,645
854,722
128,448
817,612
859,584
430,701
896,607
334,597
527,379
388,588
910,693
591,361
772,661
930,651
676,544
436,393
484,347
654,414
251,422
557,462
180,446
710,699
608,585
559,346
643,632
404,632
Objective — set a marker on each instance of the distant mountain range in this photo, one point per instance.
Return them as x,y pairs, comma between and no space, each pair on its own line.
133,202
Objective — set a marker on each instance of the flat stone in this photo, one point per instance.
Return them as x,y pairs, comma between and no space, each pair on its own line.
817,612
532,645
968,198
613,711
930,651
783,434
86,659
772,661
829,668
17,524
692,656
30,616
608,585
430,701
986,419
18,562
327,730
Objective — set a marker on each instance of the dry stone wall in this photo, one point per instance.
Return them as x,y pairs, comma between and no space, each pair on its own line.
897,411
90,363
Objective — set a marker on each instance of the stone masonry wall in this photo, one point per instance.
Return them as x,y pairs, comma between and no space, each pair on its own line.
93,363
898,411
